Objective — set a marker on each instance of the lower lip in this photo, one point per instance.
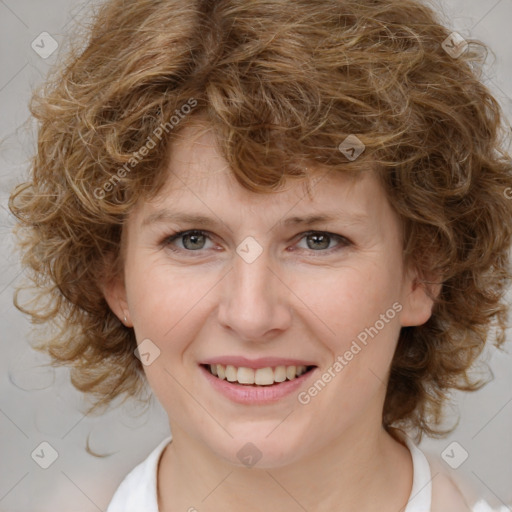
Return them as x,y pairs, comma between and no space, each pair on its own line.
255,395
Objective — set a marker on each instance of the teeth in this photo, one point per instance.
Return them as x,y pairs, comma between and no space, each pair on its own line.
264,376
280,374
231,373
261,377
246,376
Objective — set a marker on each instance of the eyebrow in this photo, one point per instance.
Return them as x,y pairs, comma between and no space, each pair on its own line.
165,216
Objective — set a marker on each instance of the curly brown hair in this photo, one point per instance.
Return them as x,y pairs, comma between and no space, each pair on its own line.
282,83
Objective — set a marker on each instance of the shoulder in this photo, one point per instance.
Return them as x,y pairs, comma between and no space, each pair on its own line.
446,495
138,490
454,495
442,490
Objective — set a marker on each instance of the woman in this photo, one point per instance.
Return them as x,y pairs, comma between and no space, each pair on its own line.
290,219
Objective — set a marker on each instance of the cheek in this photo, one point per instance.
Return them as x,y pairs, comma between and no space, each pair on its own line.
161,297
167,306
357,321
346,301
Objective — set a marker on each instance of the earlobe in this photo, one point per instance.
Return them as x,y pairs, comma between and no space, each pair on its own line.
419,299
114,291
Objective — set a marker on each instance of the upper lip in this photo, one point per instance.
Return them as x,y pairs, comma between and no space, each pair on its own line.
262,362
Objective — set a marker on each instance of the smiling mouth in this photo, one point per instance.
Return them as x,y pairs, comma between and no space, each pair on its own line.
268,376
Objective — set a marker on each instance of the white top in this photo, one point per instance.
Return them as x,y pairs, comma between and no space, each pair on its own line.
138,491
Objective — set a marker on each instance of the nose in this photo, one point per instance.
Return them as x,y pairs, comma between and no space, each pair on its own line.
255,302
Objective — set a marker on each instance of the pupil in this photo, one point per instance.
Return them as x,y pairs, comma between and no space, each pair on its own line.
193,238
325,239
197,240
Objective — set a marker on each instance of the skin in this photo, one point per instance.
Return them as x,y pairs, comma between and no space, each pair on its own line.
297,299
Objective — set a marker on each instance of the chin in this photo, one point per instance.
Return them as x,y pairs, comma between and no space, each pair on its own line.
255,448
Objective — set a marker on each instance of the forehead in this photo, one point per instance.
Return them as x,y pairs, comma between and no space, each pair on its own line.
199,181
196,165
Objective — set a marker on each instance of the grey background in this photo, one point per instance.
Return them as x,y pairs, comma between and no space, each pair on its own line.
38,404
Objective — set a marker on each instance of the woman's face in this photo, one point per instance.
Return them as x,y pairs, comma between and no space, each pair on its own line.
265,286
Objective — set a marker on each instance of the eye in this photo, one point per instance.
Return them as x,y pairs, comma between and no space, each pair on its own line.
319,241
193,240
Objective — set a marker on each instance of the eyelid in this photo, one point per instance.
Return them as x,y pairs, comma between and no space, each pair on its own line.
179,234
343,241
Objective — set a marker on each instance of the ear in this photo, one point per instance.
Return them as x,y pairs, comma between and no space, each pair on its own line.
114,291
418,297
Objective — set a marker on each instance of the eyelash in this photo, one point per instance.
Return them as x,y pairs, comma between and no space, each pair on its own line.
343,242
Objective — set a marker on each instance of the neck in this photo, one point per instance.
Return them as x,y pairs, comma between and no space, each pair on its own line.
362,470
